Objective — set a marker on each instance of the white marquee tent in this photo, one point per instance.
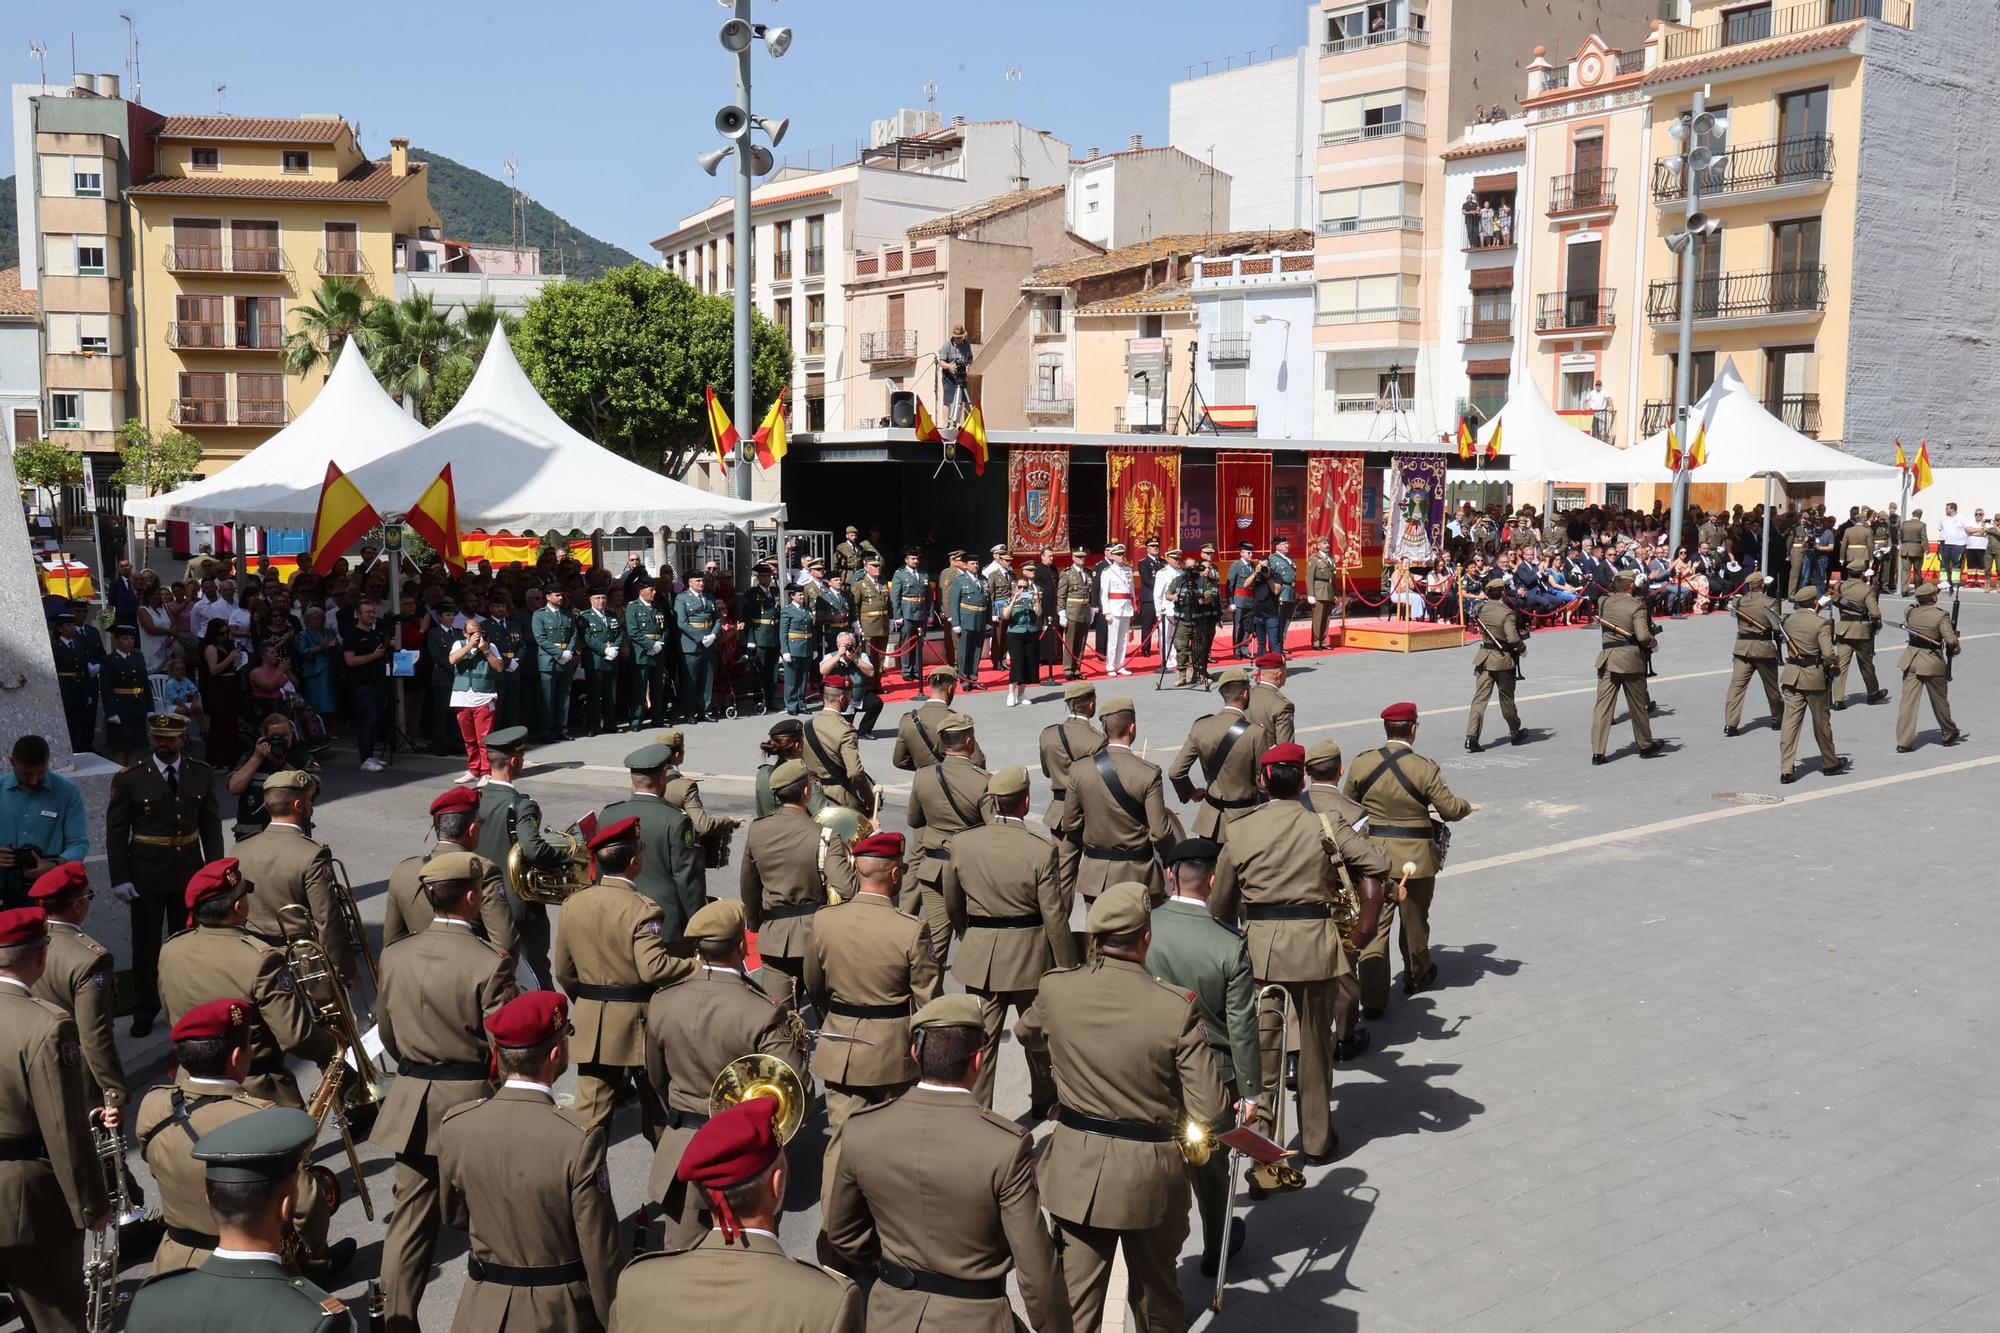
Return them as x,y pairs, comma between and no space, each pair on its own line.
1540,447
1746,442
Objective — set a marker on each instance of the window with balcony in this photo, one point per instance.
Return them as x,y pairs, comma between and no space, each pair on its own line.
973,315
1487,394
781,250
197,322
1049,394
90,256
204,159
1377,22
203,399
1378,115
253,248
1391,296
197,245
342,256
259,323
1361,389
815,326
1801,129
781,315
1750,23
260,399
66,409
714,261
1791,387
1387,207
816,245
296,161
1048,314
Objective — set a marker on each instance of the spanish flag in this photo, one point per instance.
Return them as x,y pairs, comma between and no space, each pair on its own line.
1493,443
1698,454
927,430
435,519
1902,459
1920,467
721,430
1673,451
973,436
770,437
1466,442
342,519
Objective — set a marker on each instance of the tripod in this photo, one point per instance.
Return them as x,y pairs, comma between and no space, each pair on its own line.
1390,400
1193,411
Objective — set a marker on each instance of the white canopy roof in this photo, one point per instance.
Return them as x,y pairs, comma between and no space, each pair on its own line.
1745,442
1541,447
518,467
276,485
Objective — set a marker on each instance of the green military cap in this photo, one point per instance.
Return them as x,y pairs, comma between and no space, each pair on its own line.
1110,706
175,724
955,725
719,920
673,738
649,758
1079,689
940,672
1008,782
1120,910
449,866
949,1011
1928,588
263,1146
785,774
1323,754
1625,576
507,738
1805,596
1080,550
291,779
1234,676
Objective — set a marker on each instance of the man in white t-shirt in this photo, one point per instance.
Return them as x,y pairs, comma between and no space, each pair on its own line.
1951,543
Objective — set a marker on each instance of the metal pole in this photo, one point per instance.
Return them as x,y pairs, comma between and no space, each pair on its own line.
392,547
1770,501
1684,371
744,408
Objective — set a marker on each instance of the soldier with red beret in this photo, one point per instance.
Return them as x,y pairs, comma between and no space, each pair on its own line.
1268,707
406,911
82,978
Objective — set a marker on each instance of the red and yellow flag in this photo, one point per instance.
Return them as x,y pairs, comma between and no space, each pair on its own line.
1493,442
1465,441
927,430
972,435
1673,450
435,519
1920,467
770,437
341,520
1902,459
1698,452
721,430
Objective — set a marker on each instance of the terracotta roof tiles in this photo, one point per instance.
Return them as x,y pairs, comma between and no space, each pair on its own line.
376,183
1152,301
253,129
983,211
14,301
1492,146
1162,247
1753,53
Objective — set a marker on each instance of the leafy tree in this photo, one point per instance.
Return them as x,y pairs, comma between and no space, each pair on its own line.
477,321
338,309
155,464
408,342
624,359
48,466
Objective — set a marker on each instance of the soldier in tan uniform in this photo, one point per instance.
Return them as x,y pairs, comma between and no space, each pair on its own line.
1401,790
81,978
1322,586
1755,653
1114,824
1226,744
1803,679
1132,1066
682,792
1278,878
1926,667
438,989
738,1276
917,744
1266,706
833,753
48,1165
1858,612
868,968
527,1179
406,910
790,864
289,869
945,799
1323,796
1913,542
1626,631
937,1194
219,958
694,1028
1074,738
1497,665
1073,606
1004,897
610,958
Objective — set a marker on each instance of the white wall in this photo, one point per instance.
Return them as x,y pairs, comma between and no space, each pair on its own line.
26,174
1144,194
1449,383
1278,377
999,151
1259,121
20,374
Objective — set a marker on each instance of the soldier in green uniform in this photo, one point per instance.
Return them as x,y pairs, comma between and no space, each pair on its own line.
874,607
670,873
796,635
1497,665
77,670
1755,653
1239,592
700,625
1926,668
832,613
601,634
128,695
510,818
971,615
1913,541
252,1165
910,591
1625,651
556,642
761,607
504,633
646,629
1859,613
1803,679
1073,597
1197,598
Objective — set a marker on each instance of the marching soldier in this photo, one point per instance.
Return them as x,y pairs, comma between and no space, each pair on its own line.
438,989
602,638
700,623
682,792
611,956
945,799
1926,666
528,1180
1755,653
790,864
1323,796
1322,586
510,818
670,872
874,607
694,1029
1625,653
1913,542
1401,789
1132,1065
762,604
853,555
287,869
738,1165
218,958
80,977
162,825
406,910
1497,665
833,752
48,1164
127,695
1114,824
251,1169
917,744
1197,611
1003,895
1193,951
1073,598
1267,707
1064,743
211,1058
868,967
647,626
1860,617
555,633
1803,679
1225,742
1279,877
911,591
938,1194
785,741
797,634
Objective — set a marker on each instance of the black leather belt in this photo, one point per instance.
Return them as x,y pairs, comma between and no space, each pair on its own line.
939,853
27,1149
1919,643
1755,638
686,1119
525,1275
1025,921
194,1240
846,1010
1138,1131
1221,804
937,1284
584,990
462,1071
1421,831
1813,663
1287,911
1117,854
790,910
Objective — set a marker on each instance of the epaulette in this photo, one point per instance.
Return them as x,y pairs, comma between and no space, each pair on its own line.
158,1278
1001,1122
462,1108
877,1106
1229,926
570,1114
1179,992
651,1255
842,1278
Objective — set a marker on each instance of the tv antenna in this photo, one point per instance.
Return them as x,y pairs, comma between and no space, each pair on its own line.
1012,75
512,167
930,92
220,89
40,55
132,54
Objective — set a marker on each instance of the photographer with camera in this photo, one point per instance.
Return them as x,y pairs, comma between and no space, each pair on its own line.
850,657
276,751
477,667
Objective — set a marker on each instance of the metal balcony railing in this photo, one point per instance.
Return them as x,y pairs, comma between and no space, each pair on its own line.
258,338
215,412
1601,424
1486,323
341,264
193,335
1354,226
1366,40
1583,191
815,260
255,259
1757,166
1585,309
1404,314
889,345
1630,62
1228,348
1789,291
781,267
1655,417
194,259
1363,133
1756,24
262,413
1556,76
1037,402
1800,411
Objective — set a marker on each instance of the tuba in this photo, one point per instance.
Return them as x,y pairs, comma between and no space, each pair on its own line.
758,1075
551,887
850,827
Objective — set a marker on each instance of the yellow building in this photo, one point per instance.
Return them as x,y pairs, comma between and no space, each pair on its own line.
241,220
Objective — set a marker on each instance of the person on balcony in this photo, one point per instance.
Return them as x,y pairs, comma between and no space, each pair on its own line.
1469,210
1599,403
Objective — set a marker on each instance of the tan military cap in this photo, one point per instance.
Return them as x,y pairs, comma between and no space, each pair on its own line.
1234,676
1079,689
785,774
1110,706
291,779
448,866
955,725
1121,910
1807,595
949,1011
1928,588
1322,754
1008,782
941,673
673,739
720,920
175,724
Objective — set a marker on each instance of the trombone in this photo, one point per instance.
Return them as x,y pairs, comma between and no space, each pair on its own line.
101,1299
316,977
1279,1175
348,910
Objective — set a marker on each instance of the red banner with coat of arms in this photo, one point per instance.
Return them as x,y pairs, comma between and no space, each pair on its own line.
1037,498
1143,497
1242,502
1333,506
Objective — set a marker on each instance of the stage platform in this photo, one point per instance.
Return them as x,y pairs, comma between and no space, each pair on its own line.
1401,636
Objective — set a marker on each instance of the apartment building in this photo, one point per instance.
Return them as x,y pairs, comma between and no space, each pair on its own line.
20,362
1258,124
1486,338
1118,199
240,220
1253,326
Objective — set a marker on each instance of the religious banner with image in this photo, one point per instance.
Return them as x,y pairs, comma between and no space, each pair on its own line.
1037,498
1413,524
1333,506
1242,502
1143,497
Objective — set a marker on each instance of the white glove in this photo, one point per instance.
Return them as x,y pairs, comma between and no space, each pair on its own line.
1062,617
92,668
126,892
1312,601
564,660
708,640
657,649
896,624
611,653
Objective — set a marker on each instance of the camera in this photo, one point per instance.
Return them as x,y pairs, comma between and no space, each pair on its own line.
277,745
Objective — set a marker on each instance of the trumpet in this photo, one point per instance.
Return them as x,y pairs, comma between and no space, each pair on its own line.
1278,1175
101,1300
316,978
759,1075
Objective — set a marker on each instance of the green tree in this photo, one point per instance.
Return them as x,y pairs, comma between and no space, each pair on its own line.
408,342
474,327
338,310
477,321
48,466
154,465
624,359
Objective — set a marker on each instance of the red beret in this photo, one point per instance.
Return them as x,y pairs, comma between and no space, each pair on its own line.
731,1148
1403,712
1269,661
23,925
619,830
888,846
1288,753
458,798
213,879
217,1018
69,877
836,682
530,1018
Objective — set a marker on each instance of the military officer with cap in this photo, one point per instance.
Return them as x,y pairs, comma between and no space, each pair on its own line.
1323,796
1226,744
218,958
938,1195
291,874
438,989
647,625
1755,652
405,909
1114,823
970,612
670,872
127,695
1497,665
1003,894
945,799
762,604
1860,618
527,1178
917,744
77,666
611,956
1625,651
796,636
910,590
1926,668
162,824
833,751
1266,705
1913,542
701,625
601,648
251,1165
874,607
853,554
510,818
1063,743
1809,649
48,1164
1132,1067
1322,586
81,978
790,866
694,1029
556,641
1073,602
739,1270
832,612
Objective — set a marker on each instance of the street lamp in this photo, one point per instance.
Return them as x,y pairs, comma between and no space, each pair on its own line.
1693,132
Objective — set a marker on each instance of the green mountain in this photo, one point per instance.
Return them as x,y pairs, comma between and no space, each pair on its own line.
476,207
10,240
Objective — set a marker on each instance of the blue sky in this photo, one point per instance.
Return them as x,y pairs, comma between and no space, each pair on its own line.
605,103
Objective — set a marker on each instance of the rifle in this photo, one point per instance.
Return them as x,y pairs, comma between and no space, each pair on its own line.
1499,647
1954,630
1761,626
1632,639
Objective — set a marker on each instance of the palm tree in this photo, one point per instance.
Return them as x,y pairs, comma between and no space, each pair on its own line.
336,313
409,341
476,323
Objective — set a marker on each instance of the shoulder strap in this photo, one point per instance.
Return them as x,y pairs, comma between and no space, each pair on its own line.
1062,739
1126,801
835,773
937,770
1225,745
1361,791
930,741
1402,778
